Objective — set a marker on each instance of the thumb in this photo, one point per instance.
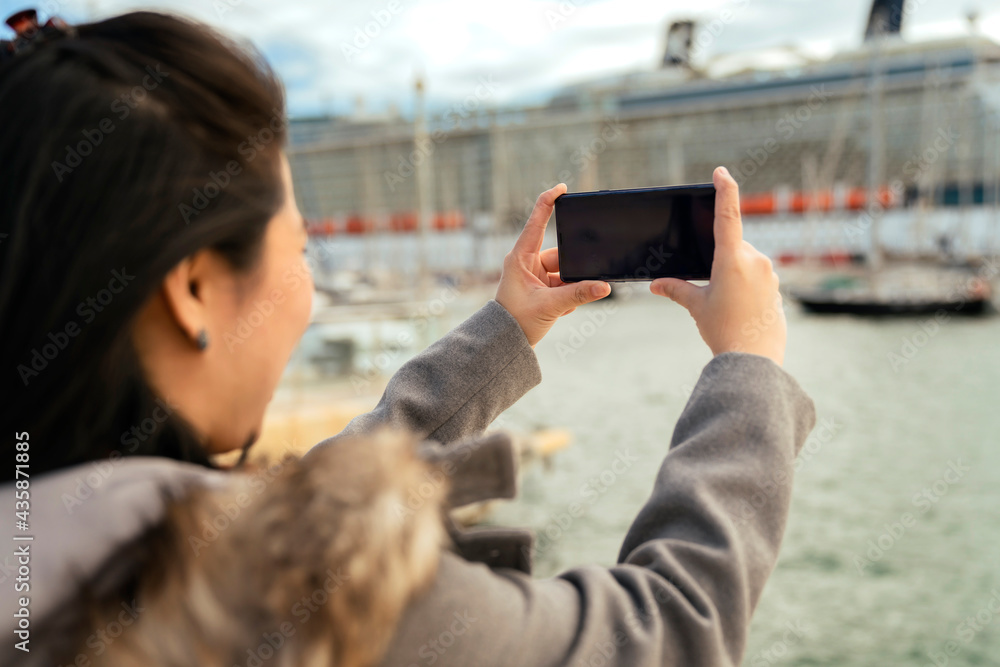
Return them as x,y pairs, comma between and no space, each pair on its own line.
566,297
679,291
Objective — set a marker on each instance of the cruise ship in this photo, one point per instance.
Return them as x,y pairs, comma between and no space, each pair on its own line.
889,151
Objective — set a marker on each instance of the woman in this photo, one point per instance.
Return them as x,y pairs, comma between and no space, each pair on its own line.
149,206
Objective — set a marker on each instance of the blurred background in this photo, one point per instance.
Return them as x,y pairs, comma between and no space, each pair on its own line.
865,136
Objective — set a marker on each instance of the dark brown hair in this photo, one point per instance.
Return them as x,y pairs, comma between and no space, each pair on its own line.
127,145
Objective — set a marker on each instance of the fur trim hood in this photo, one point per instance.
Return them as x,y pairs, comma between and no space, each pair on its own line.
316,557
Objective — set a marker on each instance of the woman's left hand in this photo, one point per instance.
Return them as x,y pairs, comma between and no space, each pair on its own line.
530,288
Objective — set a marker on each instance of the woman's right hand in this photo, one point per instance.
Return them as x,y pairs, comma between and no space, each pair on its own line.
740,310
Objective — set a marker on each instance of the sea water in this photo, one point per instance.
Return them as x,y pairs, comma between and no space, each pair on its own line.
892,550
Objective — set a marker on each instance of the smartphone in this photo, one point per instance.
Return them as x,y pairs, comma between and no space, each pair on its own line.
639,234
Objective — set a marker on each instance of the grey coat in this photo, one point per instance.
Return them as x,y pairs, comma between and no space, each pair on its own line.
691,568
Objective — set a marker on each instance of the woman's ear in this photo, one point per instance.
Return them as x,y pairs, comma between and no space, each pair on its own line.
186,289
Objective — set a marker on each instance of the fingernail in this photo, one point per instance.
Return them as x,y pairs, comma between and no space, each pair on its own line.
725,171
598,290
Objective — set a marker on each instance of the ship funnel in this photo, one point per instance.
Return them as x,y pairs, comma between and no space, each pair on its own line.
886,19
679,38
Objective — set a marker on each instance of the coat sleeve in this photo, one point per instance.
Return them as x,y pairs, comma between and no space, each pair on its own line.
460,384
692,566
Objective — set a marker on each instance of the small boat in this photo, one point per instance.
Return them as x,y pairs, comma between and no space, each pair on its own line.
905,290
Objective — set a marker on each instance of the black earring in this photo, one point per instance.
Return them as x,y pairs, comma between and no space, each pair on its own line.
202,340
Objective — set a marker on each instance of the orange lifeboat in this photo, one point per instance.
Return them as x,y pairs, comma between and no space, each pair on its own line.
448,220
321,227
403,222
359,224
852,199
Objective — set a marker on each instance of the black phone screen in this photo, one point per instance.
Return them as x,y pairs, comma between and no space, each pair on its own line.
623,235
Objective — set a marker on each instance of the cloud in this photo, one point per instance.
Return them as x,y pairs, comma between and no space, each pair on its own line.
332,54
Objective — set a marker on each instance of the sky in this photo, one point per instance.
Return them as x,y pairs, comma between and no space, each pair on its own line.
339,56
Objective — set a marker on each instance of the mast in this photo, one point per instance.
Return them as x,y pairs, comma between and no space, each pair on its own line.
995,241
876,152
423,189
884,21
500,187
